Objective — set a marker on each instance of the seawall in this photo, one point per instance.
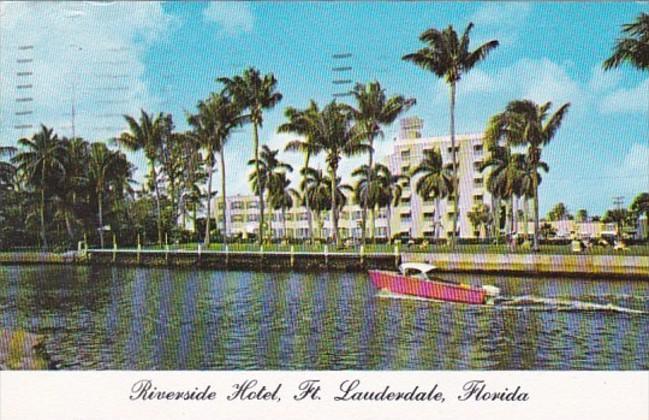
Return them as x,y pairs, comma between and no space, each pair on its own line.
618,266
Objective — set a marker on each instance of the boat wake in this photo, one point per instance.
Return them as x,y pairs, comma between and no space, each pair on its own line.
534,303
552,304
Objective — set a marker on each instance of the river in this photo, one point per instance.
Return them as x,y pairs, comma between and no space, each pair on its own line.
145,318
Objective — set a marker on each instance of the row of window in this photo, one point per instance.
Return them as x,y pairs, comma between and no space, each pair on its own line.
302,216
477,151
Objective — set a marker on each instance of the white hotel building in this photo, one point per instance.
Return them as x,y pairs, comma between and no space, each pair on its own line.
412,217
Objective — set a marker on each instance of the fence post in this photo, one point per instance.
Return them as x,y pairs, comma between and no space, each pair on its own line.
114,248
85,241
362,253
227,253
326,253
396,254
139,248
166,247
292,256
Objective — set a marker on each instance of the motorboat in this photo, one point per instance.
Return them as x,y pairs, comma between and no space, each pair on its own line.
417,279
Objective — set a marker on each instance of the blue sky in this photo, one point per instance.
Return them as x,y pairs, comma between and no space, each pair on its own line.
121,56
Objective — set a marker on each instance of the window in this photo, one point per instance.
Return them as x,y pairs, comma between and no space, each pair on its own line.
405,169
236,205
429,215
220,205
478,198
252,218
302,216
253,205
405,155
405,201
406,217
477,182
477,148
344,215
357,215
237,218
383,213
450,149
289,217
381,231
477,165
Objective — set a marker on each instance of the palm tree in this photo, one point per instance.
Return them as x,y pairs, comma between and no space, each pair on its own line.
101,165
300,123
316,187
216,120
373,111
449,57
256,94
7,170
633,48
391,189
640,205
370,189
435,182
148,135
332,131
269,173
526,123
282,197
42,160
480,215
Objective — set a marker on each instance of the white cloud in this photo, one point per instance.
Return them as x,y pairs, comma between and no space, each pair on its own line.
622,100
97,49
502,20
632,171
233,17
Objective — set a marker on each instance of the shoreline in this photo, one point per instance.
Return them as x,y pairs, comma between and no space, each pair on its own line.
537,265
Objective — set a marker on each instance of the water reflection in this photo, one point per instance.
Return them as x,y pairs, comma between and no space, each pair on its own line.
123,318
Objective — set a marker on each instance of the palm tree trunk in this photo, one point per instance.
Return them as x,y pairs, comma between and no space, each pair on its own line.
514,215
157,202
456,192
101,218
526,216
372,223
210,172
367,190
195,221
508,209
306,201
334,209
284,224
43,235
260,189
438,216
223,201
68,227
536,212
389,225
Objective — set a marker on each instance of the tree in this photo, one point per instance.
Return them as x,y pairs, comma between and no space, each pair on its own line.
255,93
282,197
581,216
149,134
300,122
316,194
633,47
369,190
332,132
215,121
617,216
373,111
391,188
525,123
558,212
640,205
435,182
479,216
449,57
42,161
268,175
103,164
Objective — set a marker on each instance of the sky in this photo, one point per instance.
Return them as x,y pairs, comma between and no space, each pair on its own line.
112,58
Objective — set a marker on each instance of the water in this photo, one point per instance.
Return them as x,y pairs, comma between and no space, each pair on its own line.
139,318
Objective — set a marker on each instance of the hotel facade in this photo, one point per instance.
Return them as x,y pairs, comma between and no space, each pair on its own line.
412,217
